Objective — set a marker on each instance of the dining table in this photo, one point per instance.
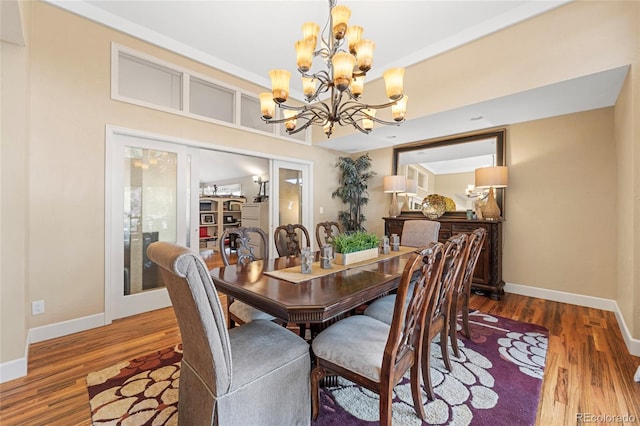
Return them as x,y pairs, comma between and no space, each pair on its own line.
279,288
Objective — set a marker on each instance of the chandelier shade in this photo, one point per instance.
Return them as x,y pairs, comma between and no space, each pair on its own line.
333,93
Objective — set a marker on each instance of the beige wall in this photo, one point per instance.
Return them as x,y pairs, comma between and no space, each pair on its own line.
13,198
68,104
562,179
627,130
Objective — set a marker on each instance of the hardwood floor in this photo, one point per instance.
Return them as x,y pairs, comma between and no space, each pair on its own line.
589,370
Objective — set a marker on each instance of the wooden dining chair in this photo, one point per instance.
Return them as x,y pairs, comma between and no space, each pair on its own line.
462,289
326,231
228,377
288,239
437,313
376,355
239,312
419,233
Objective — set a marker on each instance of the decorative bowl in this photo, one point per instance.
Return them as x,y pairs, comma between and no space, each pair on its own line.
433,206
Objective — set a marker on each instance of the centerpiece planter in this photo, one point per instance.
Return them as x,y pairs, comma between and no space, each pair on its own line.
356,256
355,247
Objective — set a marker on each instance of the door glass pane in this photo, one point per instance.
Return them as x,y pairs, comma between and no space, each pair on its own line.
290,196
150,197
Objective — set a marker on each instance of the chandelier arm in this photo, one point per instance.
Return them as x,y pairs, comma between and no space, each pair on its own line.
347,114
318,114
348,120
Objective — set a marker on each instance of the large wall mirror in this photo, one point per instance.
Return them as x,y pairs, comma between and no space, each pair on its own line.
447,166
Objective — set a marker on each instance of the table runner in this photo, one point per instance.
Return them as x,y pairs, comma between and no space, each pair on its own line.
294,275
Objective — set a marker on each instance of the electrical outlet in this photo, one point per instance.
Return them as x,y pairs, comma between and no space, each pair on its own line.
37,307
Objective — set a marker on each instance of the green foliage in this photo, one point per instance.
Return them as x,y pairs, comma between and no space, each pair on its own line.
355,241
353,190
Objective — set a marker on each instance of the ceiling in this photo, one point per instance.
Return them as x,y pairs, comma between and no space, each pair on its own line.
248,38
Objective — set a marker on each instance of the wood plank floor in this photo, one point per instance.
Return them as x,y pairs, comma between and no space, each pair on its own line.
589,369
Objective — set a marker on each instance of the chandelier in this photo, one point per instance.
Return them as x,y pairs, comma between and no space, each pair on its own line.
343,79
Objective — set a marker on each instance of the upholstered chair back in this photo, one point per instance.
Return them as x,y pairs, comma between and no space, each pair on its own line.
205,339
419,233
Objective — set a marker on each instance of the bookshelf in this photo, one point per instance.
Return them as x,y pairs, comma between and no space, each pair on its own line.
216,214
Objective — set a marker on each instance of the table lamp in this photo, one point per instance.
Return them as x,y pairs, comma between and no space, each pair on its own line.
491,177
394,184
411,190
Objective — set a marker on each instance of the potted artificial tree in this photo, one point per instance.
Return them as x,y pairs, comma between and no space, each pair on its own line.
354,175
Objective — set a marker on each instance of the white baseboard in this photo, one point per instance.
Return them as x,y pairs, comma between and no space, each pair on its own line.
633,345
64,328
17,368
13,369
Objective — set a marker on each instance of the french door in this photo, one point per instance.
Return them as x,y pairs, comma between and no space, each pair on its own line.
148,198
291,195
152,194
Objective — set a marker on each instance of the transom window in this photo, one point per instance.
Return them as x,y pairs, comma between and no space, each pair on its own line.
143,80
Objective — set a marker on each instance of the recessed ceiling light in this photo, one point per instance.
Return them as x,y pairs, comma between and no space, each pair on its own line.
477,117
391,137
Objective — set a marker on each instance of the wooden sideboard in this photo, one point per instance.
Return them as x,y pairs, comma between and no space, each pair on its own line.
487,276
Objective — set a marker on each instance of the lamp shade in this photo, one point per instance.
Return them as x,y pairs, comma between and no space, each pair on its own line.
280,85
496,177
394,183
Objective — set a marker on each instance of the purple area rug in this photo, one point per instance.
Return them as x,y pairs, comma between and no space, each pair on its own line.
495,381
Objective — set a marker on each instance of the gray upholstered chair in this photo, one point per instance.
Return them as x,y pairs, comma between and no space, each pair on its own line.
289,239
254,374
376,355
237,311
325,231
462,289
419,233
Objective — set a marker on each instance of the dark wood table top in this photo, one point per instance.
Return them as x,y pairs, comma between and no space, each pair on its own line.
314,301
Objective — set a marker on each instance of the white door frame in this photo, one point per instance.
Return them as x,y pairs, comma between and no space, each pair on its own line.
307,196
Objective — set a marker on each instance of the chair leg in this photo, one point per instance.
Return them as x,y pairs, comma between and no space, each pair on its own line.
426,367
453,332
303,330
416,390
465,317
317,375
444,343
386,400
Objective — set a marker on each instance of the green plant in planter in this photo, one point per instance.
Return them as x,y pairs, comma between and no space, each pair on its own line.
355,241
353,190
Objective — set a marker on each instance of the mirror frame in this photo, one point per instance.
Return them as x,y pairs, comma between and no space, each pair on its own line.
498,134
